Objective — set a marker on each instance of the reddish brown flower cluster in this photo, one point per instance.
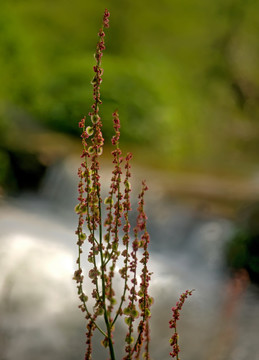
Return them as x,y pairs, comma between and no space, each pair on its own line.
105,246
89,189
172,323
114,214
139,296
145,300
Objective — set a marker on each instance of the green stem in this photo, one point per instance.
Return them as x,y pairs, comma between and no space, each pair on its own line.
125,287
81,292
108,325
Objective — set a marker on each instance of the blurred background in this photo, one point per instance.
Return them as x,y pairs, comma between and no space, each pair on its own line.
185,78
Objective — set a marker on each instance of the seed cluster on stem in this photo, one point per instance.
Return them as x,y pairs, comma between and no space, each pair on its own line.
107,235
109,239
172,323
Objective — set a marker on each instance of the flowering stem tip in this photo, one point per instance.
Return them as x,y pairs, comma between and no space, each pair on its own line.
172,323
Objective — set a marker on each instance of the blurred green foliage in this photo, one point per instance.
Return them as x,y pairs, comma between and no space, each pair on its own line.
183,74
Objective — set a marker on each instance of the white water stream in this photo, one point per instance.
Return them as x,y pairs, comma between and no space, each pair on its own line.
39,318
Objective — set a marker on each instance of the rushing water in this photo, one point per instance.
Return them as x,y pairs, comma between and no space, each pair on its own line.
39,318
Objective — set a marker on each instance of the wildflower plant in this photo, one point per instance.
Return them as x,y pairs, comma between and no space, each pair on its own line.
104,224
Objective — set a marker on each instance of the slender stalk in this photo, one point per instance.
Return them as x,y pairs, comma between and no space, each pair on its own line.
107,322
